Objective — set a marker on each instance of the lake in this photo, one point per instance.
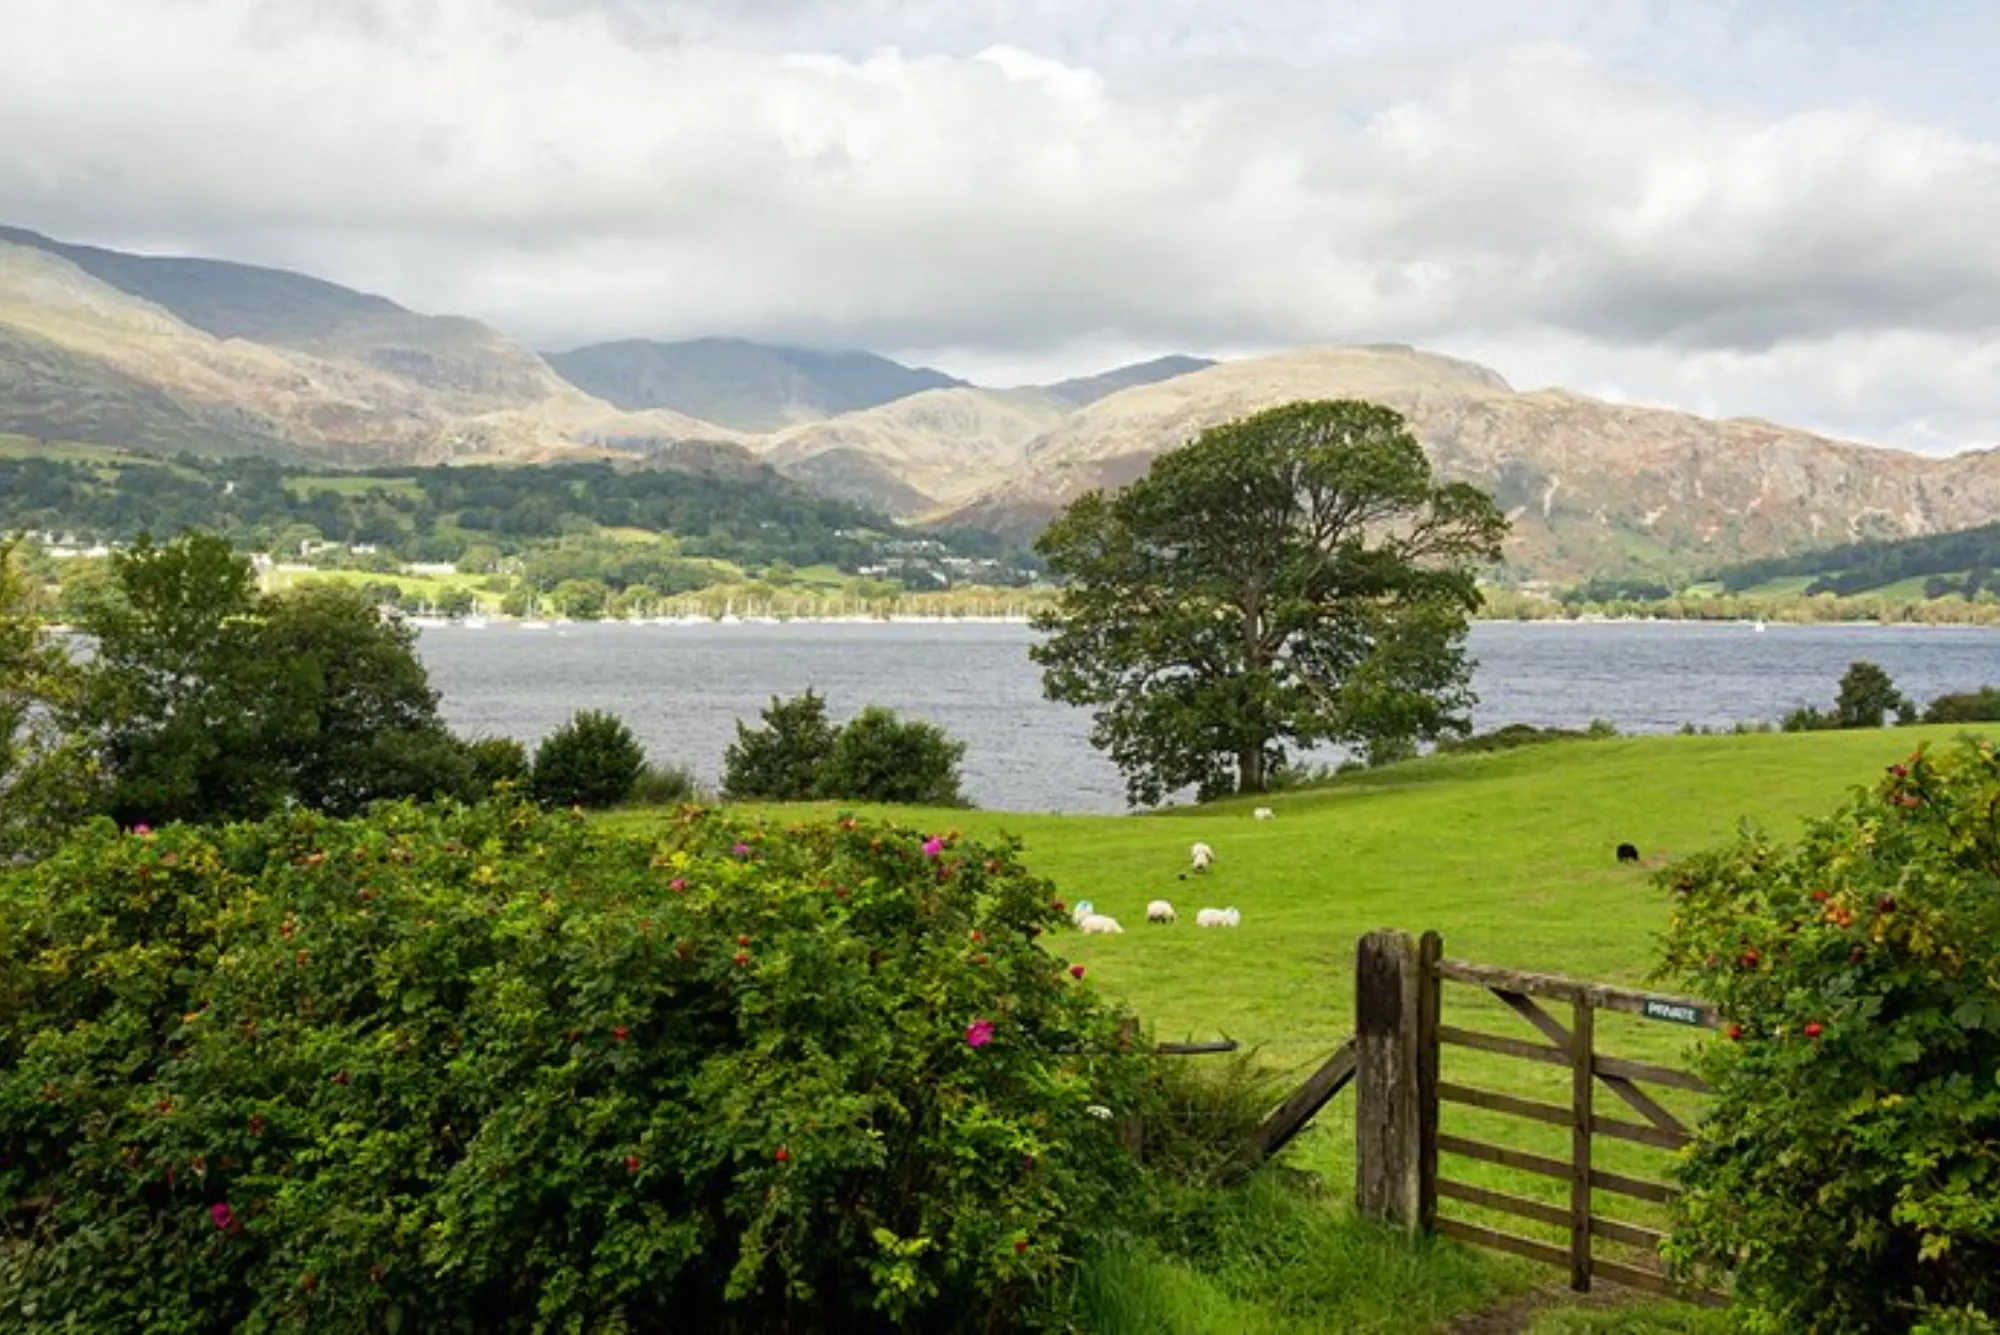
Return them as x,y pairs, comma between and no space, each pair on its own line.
682,687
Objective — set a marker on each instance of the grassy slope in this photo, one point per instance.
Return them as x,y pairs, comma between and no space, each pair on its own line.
1510,856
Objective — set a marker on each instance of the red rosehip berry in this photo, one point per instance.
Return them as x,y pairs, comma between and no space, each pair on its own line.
620,1034
1750,958
1814,1030
631,1163
1735,1033
742,940
1821,896
1886,904
742,957
784,1155
1020,1245
1058,907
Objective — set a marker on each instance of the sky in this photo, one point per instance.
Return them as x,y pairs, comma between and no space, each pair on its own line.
1787,209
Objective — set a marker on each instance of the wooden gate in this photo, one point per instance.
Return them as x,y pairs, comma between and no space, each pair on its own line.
1401,1029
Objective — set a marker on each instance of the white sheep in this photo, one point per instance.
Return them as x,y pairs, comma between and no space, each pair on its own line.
1263,813
1202,855
1159,911
1217,918
1097,924
1084,908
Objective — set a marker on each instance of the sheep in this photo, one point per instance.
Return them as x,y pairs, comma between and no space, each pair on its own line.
1159,911
1202,855
1084,908
1627,853
1217,918
1099,925
1263,813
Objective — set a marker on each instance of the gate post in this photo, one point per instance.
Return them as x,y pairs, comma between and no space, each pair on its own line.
1389,1183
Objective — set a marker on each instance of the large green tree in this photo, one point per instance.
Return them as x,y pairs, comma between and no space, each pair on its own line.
1293,578
352,718
174,691
204,700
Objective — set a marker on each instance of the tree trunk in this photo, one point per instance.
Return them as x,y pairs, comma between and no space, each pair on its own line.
1250,770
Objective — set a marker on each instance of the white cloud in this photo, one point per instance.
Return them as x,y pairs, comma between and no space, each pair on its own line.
1028,188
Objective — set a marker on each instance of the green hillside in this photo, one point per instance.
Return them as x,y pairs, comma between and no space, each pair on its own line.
1938,565
750,517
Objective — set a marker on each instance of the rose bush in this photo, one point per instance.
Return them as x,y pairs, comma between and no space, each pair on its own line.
488,1069
1848,1170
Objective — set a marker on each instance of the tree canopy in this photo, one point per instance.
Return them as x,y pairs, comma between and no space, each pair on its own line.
1293,578
203,699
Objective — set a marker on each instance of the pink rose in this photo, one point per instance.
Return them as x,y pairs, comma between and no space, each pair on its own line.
979,1033
933,846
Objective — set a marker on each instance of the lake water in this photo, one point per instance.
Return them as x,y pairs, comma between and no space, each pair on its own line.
681,688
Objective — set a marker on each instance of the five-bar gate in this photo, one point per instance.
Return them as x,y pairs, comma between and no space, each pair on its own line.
1401,1031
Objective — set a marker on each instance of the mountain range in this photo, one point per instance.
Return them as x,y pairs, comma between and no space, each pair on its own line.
167,354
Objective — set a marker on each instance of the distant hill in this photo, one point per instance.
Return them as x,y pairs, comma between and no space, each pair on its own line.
941,447
1593,488
338,378
218,297
738,384
1089,389
165,354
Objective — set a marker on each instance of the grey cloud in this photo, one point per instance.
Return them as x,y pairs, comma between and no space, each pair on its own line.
1117,175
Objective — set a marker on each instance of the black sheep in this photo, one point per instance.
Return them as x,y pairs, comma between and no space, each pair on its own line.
1627,853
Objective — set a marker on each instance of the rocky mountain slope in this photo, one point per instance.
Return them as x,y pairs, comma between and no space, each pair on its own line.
1592,487
170,354
342,380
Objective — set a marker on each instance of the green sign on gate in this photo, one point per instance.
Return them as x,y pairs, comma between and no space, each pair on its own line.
1673,1011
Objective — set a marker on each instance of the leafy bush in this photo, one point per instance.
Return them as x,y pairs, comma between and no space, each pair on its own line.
491,1070
781,761
665,785
878,757
498,760
1512,736
1849,1170
591,761
1868,697
1807,719
1980,706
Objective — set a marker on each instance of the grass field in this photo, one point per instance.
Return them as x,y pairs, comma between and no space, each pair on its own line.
1510,856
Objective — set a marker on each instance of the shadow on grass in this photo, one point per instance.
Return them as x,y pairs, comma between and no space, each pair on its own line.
1270,1259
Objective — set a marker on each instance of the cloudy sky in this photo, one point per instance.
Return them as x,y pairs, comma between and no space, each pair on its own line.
1781,208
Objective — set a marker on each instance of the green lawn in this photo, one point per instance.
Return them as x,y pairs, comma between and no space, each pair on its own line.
1509,856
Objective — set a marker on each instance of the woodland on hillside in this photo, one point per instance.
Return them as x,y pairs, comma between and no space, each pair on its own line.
475,515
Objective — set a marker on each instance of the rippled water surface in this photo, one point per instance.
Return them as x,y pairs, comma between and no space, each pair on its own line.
683,687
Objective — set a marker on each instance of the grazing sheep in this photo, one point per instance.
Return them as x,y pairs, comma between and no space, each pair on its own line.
1202,855
1217,918
1627,853
1159,911
1263,813
1099,925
